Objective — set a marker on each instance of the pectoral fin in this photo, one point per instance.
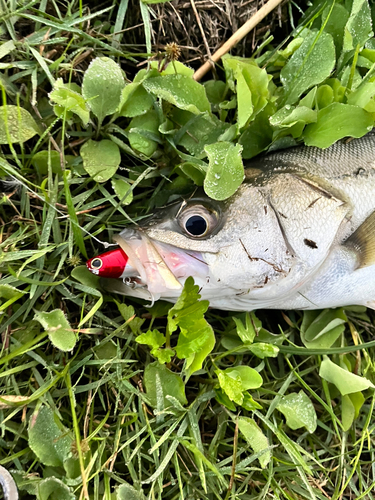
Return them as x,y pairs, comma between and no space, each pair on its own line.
362,241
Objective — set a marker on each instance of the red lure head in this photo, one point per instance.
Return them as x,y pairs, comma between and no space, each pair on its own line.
109,264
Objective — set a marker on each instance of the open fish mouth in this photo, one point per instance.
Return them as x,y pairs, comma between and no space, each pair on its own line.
155,270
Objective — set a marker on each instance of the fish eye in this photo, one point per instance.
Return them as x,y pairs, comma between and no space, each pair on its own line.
196,225
96,263
197,221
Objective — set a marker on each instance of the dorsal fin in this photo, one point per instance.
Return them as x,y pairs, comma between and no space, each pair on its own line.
363,242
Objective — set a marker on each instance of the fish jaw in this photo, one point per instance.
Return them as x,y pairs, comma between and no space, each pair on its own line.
159,270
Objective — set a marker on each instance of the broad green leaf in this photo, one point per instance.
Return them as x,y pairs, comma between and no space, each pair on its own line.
215,91
321,329
160,383
257,136
231,384
102,86
70,100
180,90
324,97
187,305
244,103
8,292
225,171
143,133
347,412
135,100
100,159
6,48
247,332
298,411
123,190
358,29
16,125
50,443
128,313
152,338
163,355
173,68
350,407
338,89
249,404
52,488
345,381
263,350
255,438
362,94
128,492
83,275
196,339
59,330
197,130
290,115
335,122
223,399
336,24
194,171
42,159
252,86
312,63
250,378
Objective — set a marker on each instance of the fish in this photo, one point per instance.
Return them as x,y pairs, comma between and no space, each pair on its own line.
299,233
8,485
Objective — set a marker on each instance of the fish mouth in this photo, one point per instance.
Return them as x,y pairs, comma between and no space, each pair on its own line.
156,270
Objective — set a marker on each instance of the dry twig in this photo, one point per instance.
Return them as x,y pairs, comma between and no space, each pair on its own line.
237,36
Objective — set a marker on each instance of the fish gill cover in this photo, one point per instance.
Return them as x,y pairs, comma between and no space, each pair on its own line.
102,398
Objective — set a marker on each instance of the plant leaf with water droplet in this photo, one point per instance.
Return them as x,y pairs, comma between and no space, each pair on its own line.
70,100
335,122
225,171
256,439
143,132
100,159
358,29
310,64
128,492
59,330
180,90
18,123
50,443
298,411
102,86
123,191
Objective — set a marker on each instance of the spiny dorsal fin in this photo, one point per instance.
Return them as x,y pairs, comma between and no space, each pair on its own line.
363,242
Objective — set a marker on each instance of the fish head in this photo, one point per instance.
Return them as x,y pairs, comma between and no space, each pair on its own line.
229,248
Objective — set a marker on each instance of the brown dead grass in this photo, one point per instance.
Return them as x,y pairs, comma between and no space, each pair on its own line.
200,31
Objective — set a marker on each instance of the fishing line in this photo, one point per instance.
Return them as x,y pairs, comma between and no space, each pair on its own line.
19,181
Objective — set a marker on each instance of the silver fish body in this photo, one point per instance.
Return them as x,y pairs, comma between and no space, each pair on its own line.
8,485
298,234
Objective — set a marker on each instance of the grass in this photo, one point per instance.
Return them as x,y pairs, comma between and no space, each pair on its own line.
80,424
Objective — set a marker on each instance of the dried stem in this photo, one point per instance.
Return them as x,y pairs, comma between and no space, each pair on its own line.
237,36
